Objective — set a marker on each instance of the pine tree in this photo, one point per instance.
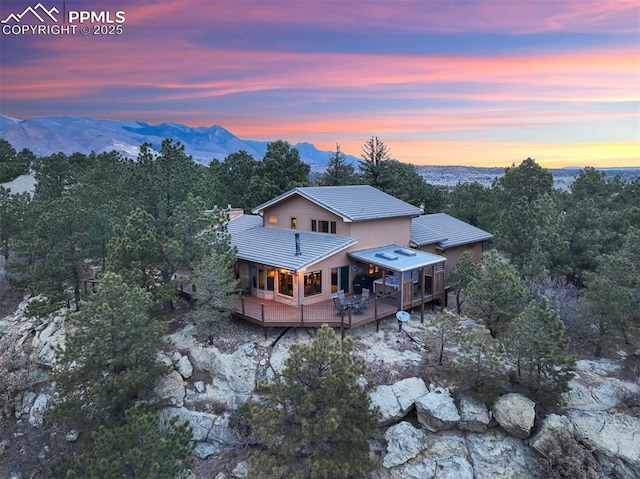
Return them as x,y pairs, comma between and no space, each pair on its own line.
141,448
480,365
539,350
462,275
496,296
338,172
314,420
110,359
374,155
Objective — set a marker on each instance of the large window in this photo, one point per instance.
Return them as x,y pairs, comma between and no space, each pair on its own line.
313,283
324,226
263,278
285,283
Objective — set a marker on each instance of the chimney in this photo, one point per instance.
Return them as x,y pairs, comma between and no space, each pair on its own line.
298,253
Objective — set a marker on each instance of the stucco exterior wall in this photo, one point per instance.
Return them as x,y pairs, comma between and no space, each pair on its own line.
304,211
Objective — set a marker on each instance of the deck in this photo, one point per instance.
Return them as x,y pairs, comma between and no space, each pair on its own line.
272,314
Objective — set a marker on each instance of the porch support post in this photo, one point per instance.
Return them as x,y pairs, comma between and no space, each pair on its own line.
421,275
302,315
262,318
342,325
401,281
375,312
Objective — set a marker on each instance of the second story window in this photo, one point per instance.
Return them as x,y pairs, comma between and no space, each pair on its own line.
323,226
294,223
273,219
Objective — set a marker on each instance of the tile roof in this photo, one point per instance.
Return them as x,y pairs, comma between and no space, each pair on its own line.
276,246
445,231
352,203
396,258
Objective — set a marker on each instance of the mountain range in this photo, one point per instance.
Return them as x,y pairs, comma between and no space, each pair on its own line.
47,135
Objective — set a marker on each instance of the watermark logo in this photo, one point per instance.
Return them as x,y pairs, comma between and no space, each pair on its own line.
39,12
40,20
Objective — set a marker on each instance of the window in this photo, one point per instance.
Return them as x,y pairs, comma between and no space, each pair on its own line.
313,283
273,219
262,278
324,226
285,283
294,223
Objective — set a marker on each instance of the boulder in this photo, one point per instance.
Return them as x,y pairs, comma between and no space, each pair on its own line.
553,427
495,454
474,415
386,401
170,391
184,367
397,399
407,391
39,410
442,455
614,437
515,414
233,376
436,410
404,442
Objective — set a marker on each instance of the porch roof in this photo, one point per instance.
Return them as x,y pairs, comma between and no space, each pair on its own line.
396,258
277,247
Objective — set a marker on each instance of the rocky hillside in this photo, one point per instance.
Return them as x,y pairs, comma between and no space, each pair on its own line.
426,430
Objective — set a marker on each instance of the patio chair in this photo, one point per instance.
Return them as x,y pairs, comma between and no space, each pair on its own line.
341,295
338,306
365,295
360,306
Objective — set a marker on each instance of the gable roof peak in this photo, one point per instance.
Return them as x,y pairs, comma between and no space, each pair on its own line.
351,202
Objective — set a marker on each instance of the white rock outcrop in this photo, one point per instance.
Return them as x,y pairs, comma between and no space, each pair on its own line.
404,442
515,414
474,415
436,410
396,400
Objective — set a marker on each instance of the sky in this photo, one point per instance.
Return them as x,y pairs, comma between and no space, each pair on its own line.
440,82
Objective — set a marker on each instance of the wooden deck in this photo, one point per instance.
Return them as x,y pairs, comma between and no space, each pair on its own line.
271,314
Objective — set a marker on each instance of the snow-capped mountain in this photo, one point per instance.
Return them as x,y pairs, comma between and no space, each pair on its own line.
48,135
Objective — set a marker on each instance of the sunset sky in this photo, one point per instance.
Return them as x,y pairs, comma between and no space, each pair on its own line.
485,83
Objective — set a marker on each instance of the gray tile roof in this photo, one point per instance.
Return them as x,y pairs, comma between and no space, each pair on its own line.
352,203
445,231
242,223
276,246
396,258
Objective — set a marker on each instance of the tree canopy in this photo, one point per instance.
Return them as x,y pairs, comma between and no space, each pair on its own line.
314,419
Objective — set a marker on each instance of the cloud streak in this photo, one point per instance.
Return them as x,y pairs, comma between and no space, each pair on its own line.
403,70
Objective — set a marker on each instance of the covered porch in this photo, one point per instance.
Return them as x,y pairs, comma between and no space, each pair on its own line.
411,276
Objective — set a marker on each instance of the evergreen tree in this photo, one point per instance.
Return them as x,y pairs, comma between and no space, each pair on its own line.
540,353
496,296
281,169
315,419
447,329
338,172
141,448
13,164
12,216
610,303
472,203
216,284
480,365
466,270
231,178
110,358
372,166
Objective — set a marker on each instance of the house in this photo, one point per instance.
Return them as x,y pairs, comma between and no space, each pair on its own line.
448,236
300,249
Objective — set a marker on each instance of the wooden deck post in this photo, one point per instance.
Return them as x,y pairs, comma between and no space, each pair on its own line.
242,303
421,295
342,325
302,315
262,317
375,313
